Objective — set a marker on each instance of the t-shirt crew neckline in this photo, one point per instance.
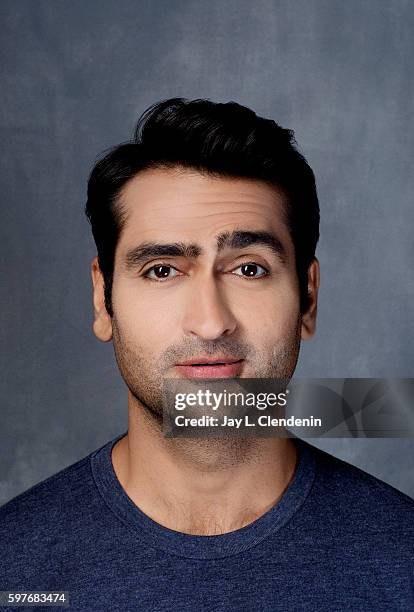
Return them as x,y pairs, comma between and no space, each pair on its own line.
201,546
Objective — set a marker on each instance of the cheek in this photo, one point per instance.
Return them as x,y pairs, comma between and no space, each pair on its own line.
276,314
148,318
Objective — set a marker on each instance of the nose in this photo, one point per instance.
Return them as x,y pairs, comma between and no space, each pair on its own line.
207,315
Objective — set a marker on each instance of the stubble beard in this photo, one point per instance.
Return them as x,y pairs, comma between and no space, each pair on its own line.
144,376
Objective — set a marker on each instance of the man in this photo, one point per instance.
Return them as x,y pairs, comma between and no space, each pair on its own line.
206,226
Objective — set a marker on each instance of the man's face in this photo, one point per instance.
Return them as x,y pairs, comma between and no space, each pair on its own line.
204,271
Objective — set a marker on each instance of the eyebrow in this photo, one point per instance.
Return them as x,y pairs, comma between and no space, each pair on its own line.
148,250
238,239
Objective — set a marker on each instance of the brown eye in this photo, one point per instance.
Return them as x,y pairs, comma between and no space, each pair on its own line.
251,270
161,272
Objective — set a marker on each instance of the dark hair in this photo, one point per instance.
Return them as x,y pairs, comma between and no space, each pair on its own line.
227,140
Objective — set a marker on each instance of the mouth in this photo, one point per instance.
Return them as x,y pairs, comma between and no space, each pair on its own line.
211,367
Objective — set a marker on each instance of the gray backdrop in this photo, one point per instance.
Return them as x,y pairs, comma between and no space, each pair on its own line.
76,74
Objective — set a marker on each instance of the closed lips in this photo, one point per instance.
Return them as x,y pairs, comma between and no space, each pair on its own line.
210,362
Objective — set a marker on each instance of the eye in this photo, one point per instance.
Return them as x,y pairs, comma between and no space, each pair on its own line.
251,270
160,272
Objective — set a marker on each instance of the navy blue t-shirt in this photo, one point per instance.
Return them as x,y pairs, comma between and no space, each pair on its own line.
338,539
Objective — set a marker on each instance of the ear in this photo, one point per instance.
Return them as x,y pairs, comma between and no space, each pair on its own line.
309,317
102,325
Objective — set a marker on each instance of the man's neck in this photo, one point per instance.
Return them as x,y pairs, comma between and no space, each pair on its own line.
201,486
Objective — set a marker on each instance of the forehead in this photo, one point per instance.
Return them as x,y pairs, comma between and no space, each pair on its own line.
171,204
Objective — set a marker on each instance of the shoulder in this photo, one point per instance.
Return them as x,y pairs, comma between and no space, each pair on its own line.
44,525
358,501
344,477
49,494
49,507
